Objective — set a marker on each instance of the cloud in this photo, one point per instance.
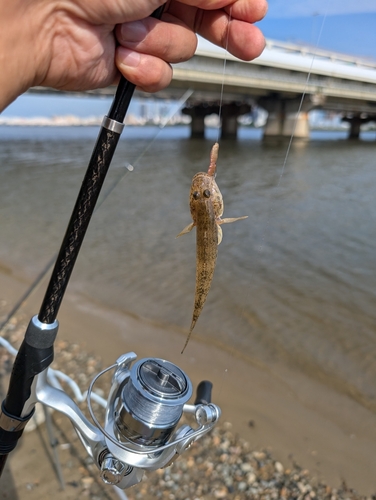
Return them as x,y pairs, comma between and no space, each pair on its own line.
306,8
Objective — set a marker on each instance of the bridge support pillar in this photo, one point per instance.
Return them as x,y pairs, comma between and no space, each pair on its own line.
229,118
355,124
356,120
229,129
230,114
284,119
197,126
197,114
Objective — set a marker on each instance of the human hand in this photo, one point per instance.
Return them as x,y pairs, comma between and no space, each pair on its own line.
148,46
82,44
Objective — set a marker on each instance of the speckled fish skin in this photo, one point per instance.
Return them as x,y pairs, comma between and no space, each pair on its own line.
203,214
206,206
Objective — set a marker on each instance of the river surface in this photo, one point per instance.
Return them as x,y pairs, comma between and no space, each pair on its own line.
295,282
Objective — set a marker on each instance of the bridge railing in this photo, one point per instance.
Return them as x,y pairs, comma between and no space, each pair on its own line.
310,51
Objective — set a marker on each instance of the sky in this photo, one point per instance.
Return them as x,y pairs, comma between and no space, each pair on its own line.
305,8
345,26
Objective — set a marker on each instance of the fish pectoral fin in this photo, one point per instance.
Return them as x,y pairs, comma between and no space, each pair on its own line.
226,221
231,219
186,229
220,234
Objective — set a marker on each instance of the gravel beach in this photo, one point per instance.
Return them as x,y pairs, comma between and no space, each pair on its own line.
220,465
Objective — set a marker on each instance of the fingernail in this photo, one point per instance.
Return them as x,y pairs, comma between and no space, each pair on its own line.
128,57
135,31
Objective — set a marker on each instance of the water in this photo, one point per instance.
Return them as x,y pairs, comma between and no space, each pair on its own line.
295,282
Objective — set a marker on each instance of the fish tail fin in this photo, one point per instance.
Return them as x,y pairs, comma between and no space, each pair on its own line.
186,343
189,334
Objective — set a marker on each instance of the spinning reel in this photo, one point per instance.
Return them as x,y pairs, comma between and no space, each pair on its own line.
144,406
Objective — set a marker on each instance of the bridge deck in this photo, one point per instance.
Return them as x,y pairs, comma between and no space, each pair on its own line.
331,80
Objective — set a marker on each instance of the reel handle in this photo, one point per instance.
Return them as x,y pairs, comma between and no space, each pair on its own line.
204,393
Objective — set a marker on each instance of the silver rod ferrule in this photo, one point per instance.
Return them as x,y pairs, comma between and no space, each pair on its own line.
112,125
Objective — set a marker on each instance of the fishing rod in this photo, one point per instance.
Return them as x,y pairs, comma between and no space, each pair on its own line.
146,400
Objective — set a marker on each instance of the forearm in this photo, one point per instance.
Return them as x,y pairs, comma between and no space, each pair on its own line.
21,53
13,81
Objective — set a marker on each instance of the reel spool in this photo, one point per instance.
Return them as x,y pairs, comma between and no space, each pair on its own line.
151,402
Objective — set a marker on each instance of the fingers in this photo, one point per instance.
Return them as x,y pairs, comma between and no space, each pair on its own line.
250,11
242,39
113,11
149,73
170,40
148,47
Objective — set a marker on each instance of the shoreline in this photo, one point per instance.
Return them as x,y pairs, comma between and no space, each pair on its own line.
296,418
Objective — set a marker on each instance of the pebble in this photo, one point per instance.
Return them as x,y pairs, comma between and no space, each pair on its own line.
279,467
87,482
242,486
246,467
251,478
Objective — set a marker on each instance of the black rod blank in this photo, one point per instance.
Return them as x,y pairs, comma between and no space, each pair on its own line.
96,172
78,224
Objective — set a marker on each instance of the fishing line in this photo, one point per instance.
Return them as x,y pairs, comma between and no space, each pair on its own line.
295,122
223,76
187,94
179,104
226,372
128,168
301,101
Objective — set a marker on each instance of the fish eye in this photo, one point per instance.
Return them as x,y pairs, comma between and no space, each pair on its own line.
196,195
206,193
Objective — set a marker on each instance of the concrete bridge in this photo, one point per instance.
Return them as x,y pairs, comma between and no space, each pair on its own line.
275,81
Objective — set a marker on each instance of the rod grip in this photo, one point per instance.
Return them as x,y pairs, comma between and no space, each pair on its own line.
29,362
35,355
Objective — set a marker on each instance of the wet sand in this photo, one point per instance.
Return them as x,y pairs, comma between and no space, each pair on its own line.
296,418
